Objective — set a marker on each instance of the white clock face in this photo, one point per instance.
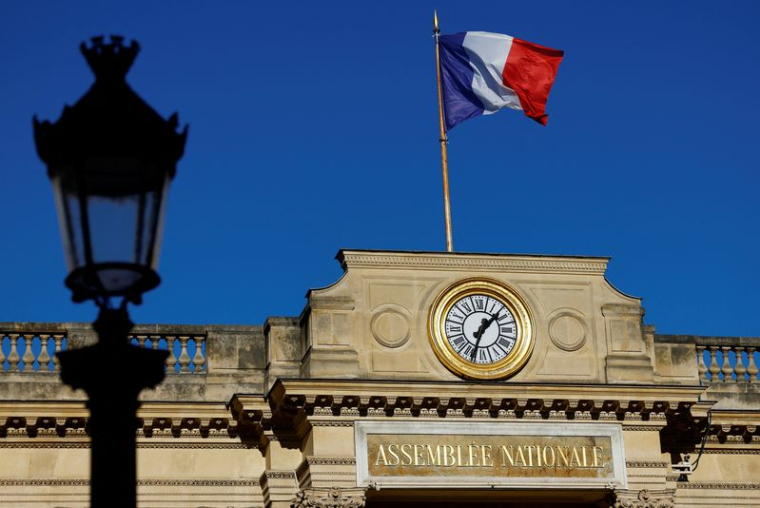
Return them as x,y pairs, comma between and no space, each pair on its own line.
480,329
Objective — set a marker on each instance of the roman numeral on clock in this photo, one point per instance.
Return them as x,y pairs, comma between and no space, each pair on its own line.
495,352
505,343
458,341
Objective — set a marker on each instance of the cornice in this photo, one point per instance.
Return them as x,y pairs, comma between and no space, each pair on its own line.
735,417
77,482
178,411
337,389
33,409
467,261
298,404
21,430
182,445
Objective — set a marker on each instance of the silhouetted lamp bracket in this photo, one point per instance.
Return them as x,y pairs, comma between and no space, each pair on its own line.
110,159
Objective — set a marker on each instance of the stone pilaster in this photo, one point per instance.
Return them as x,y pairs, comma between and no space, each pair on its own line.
629,360
278,488
285,348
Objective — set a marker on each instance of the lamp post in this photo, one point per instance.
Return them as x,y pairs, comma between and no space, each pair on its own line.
110,159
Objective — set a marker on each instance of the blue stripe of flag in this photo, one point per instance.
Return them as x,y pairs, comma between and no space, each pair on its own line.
459,101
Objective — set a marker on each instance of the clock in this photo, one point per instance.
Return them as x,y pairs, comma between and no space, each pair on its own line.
481,329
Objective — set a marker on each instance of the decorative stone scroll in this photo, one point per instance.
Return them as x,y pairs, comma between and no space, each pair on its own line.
332,497
645,498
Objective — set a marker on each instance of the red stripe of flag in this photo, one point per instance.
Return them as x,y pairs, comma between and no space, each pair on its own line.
530,71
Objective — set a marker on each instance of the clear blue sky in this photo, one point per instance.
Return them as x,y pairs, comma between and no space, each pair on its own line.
313,127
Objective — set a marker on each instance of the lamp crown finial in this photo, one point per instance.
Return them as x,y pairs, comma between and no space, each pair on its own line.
110,60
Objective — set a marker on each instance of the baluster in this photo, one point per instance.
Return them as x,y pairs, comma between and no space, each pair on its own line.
44,357
740,369
141,340
198,359
13,356
714,367
751,365
171,360
727,369
58,341
28,357
2,355
184,358
701,367
154,341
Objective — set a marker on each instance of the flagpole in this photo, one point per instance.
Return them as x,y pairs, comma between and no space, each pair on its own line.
443,140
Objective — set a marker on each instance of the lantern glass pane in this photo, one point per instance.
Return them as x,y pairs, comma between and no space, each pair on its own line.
111,212
69,220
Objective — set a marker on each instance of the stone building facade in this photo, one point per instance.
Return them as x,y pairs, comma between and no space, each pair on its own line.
353,403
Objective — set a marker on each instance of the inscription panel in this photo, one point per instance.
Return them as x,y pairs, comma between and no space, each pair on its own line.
515,454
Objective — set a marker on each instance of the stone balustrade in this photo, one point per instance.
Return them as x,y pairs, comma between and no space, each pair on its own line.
727,363
30,351
34,349
187,353
205,362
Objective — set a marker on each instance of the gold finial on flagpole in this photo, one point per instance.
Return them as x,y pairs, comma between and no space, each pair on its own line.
444,141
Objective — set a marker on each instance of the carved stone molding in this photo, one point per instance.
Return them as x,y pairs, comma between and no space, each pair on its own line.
45,482
743,451
213,445
718,486
646,463
159,427
299,404
331,461
391,326
645,498
280,475
332,497
359,404
196,446
511,263
77,482
568,329
45,444
740,433
331,423
205,482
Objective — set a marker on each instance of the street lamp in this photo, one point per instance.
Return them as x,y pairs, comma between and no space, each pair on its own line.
110,159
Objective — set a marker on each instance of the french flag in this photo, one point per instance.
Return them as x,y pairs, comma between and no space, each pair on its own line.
483,72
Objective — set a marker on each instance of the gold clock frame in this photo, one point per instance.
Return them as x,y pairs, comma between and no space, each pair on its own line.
504,368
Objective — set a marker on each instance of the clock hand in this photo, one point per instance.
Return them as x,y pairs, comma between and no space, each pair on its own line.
482,328
484,324
478,335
